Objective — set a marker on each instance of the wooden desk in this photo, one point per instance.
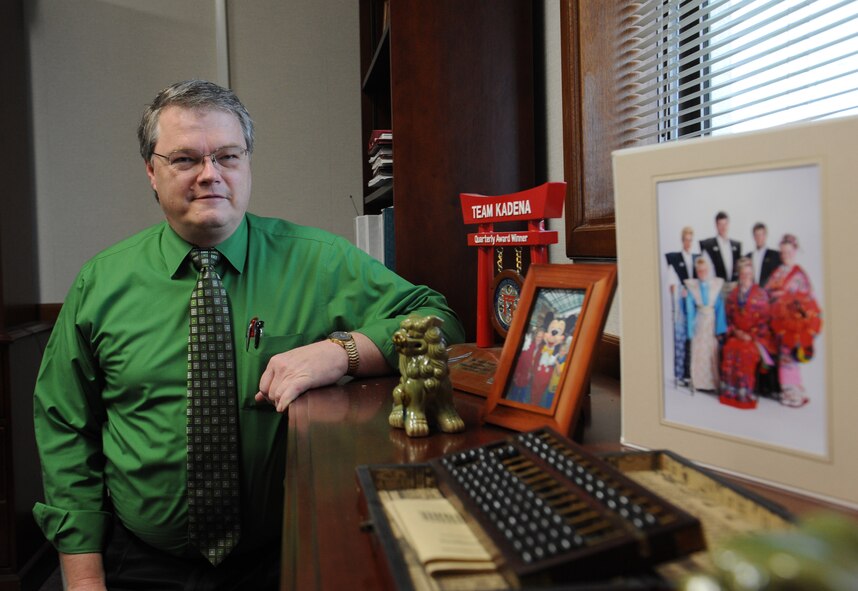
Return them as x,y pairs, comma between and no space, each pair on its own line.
332,430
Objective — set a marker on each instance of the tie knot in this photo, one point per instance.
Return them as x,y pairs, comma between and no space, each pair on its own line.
204,257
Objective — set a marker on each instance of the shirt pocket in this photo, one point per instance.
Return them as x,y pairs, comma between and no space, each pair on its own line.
251,362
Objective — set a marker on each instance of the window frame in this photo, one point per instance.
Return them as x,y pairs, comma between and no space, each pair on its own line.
590,220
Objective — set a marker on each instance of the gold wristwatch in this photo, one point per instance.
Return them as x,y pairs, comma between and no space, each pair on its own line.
346,341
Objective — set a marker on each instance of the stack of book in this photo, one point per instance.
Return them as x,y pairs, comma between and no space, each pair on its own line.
380,152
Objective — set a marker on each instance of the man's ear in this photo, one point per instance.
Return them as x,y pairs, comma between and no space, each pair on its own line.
150,172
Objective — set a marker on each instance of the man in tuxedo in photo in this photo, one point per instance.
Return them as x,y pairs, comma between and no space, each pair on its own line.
765,260
722,252
680,267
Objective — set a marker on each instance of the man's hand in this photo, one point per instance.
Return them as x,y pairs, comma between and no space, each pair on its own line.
292,373
83,572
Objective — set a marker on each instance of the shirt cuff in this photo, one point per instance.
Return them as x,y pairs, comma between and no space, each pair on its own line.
380,332
73,532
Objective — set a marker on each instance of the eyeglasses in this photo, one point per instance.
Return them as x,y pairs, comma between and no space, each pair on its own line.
229,157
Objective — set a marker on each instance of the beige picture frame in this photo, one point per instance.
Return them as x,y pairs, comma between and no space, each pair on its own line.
743,173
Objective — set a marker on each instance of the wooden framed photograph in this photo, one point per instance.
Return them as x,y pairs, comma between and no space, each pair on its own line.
472,368
550,347
737,330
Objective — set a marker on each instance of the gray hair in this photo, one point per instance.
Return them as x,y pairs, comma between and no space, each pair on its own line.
191,94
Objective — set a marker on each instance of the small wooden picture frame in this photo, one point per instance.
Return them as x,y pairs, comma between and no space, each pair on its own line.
550,347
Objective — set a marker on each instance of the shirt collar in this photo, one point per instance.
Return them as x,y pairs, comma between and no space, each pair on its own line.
175,248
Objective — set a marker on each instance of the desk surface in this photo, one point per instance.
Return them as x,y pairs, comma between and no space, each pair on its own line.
332,430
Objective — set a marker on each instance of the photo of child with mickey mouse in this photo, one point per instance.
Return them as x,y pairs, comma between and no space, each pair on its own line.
540,362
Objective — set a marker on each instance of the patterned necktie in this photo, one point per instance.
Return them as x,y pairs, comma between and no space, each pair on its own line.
213,483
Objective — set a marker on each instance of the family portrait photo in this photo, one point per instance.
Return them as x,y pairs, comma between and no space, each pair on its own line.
741,273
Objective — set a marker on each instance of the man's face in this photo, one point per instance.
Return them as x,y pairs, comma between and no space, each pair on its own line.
722,225
203,205
687,238
760,237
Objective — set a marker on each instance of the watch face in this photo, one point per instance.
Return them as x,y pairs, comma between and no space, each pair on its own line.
340,335
505,295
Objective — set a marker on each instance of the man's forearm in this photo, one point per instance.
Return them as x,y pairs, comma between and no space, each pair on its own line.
82,572
372,362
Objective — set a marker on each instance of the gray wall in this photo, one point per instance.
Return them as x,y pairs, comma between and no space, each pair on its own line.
298,65
96,63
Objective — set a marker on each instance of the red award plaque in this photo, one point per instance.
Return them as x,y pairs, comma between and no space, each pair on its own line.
496,295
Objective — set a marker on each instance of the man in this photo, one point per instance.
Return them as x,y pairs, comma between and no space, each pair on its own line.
764,260
680,267
722,252
681,264
118,399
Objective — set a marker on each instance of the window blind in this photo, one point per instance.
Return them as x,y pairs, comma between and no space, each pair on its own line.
699,67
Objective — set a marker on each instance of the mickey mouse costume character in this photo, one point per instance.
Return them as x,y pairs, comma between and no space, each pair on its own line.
543,352
548,358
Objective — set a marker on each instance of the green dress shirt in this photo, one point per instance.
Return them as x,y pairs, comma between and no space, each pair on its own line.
110,400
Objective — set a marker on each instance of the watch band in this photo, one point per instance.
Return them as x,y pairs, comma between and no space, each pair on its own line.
347,342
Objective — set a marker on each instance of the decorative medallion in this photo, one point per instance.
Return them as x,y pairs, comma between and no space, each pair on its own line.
506,291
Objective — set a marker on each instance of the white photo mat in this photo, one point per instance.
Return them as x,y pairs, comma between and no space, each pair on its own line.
798,179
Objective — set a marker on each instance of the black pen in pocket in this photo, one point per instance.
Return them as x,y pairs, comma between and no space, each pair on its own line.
254,331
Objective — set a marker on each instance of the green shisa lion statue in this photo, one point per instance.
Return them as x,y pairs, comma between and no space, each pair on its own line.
424,394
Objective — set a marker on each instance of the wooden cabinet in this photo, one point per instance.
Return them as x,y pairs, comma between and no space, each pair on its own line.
454,81
25,557
597,117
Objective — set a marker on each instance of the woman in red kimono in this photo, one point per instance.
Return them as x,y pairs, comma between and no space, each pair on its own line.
749,339
795,322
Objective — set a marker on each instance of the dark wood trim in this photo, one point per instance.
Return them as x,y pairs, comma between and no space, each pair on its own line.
589,126
572,115
49,312
22,331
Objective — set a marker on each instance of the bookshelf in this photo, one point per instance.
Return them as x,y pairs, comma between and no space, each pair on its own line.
453,81
375,92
